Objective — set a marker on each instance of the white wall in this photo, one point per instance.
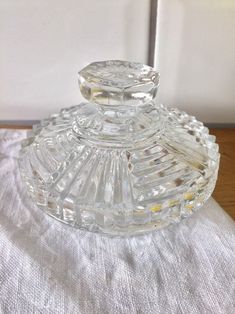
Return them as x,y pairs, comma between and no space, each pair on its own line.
196,57
44,43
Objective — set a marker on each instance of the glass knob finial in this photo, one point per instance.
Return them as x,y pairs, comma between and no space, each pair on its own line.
117,82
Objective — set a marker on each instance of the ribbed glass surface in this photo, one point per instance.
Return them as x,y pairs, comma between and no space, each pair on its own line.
120,164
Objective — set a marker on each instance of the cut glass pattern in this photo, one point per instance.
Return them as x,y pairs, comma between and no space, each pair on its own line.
120,164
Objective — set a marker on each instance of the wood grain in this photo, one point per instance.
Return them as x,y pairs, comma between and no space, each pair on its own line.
225,188
15,127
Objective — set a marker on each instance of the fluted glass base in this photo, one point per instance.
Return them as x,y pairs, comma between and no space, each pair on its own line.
104,171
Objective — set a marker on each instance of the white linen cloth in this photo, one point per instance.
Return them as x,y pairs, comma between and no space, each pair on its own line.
49,267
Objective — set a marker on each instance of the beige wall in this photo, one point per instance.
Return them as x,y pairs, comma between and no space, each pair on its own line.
196,57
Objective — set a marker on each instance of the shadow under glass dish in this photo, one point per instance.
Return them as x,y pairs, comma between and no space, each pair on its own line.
120,163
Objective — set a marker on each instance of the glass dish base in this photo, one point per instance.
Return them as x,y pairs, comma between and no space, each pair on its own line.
129,186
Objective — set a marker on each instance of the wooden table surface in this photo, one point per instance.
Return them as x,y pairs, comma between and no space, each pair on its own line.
224,192
225,188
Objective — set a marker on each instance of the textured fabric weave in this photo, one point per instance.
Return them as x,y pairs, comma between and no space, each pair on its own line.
48,267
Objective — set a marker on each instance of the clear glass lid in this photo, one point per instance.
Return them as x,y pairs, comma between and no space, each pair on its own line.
120,163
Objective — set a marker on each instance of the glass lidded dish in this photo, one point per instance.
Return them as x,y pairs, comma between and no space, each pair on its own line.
120,163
